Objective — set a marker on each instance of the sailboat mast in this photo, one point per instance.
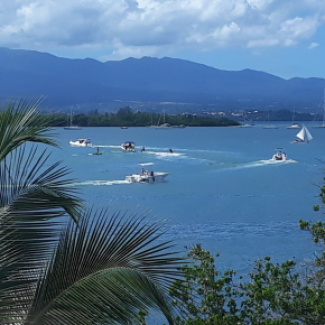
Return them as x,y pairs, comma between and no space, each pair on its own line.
324,110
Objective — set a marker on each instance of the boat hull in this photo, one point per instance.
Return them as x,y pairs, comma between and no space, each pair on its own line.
78,144
73,128
146,179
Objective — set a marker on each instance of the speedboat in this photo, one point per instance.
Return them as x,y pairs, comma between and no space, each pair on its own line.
146,176
80,143
279,155
128,146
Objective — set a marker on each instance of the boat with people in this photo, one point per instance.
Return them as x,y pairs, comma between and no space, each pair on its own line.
303,135
80,143
146,176
279,155
128,146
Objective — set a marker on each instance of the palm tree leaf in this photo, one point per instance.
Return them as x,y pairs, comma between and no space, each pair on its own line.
106,268
35,200
19,123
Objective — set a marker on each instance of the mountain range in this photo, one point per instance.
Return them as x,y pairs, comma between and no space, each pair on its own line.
149,83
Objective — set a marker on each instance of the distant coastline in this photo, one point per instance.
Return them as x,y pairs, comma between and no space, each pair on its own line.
125,118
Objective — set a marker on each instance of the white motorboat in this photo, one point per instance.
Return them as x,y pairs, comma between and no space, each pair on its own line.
146,176
128,146
294,126
279,155
246,125
303,135
80,143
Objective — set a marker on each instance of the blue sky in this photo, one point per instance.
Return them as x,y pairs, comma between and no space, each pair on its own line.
282,37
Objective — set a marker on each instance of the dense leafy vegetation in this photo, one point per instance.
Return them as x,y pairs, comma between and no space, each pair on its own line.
126,117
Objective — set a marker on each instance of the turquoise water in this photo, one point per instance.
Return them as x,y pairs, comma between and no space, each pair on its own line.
221,190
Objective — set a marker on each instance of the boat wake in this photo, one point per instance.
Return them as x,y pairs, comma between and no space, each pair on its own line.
101,183
267,162
165,155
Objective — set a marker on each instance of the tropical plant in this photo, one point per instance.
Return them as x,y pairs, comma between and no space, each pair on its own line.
61,263
272,294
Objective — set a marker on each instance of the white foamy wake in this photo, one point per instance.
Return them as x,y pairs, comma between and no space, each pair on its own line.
267,162
102,183
163,154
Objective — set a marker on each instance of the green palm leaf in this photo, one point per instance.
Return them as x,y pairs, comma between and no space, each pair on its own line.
35,201
19,122
105,270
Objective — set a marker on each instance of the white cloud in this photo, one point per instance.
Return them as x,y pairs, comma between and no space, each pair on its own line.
157,27
313,45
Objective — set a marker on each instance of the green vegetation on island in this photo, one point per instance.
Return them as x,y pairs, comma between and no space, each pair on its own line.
126,117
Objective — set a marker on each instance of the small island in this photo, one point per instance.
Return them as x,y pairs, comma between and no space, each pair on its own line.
125,117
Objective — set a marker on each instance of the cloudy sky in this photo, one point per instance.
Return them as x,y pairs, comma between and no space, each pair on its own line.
282,37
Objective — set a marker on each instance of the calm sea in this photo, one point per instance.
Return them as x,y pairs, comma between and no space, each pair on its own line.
221,190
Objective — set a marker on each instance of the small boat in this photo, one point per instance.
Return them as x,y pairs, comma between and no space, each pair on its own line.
246,125
73,127
128,146
279,155
80,143
146,176
124,127
294,126
303,135
270,126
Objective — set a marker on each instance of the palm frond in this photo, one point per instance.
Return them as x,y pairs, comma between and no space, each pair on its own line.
35,201
106,269
20,122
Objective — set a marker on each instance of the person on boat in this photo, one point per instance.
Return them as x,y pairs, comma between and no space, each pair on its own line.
97,150
171,151
143,149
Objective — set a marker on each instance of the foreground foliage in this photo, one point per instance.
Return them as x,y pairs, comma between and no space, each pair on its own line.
272,294
61,263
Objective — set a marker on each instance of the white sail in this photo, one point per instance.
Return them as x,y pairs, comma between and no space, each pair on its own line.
308,135
301,134
304,134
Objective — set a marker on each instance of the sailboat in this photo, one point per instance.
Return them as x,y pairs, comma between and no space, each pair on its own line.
71,126
164,125
294,125
269,126
303,135
246,123
322,125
